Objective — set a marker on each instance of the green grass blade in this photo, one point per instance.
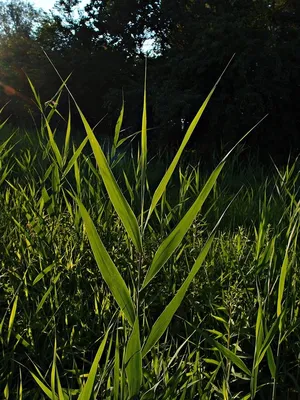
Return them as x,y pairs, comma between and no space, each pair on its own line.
20,388
49,130
129,188
77,176
258,343
88,387
285,266
53,370
120,204
169,245
268,340
232,357
68,135
59,388
118,129
144,126
116,196
44,388
12,317
166,178
143,157
133,361
35,94
271,362
166,316
107,268
44,298
75,156
132,137
117,368
43,274
281,286
53,145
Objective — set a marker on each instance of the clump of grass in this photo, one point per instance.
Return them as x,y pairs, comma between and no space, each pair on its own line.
113,289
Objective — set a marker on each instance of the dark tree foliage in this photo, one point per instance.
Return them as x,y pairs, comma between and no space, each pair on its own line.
20,56
196,40
192,41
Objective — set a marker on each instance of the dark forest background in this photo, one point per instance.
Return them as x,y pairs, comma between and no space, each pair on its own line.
189,43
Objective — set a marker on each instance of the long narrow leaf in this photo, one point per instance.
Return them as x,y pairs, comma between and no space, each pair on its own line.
44,388
68,134
59,388
53,370
169,245
114,192
133,361
12,317
117,368
166,178
107,267
259,332
117,198
164,319
88,387
118,129
75,156
143,157
232,357
268,340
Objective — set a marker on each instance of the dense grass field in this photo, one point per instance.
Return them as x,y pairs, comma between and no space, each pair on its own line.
125,277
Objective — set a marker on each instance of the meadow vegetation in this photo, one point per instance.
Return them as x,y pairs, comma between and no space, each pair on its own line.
124,276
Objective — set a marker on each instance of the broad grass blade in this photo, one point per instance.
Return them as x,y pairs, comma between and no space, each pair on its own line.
143,158
258,343
116,196
44,388
164,319
107,268
166,178
118,129
117,368
12,317
75,156
88,387
271,362
133,361
53,370
169,245
284,270
50,133
282,283
43,274
268,340
59,388
35,94
45,296
144,126
20,389
53,144
68,135
232,357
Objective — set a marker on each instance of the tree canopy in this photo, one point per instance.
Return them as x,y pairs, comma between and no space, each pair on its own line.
191,43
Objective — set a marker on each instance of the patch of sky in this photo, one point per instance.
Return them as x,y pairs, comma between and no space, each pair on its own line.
48,5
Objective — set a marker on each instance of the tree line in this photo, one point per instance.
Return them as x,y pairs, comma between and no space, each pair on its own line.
102,45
